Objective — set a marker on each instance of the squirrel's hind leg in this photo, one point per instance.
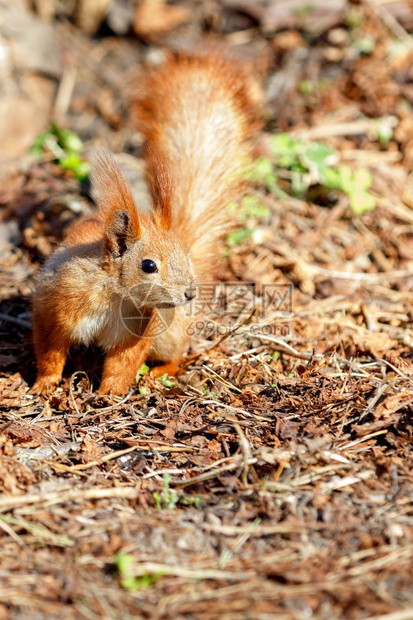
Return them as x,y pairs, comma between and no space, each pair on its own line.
169,346
171,369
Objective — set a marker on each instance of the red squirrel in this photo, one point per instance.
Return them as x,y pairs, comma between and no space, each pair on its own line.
196,117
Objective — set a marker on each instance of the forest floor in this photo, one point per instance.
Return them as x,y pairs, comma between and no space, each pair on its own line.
273,477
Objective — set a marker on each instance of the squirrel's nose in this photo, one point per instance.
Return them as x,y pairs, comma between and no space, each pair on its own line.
190,293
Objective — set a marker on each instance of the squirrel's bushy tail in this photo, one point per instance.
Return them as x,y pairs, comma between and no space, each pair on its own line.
196,115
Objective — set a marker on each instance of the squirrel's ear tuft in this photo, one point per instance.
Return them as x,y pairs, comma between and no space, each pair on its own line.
160,186
119,233
114,198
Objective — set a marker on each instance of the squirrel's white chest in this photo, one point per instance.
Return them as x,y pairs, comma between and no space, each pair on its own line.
106,329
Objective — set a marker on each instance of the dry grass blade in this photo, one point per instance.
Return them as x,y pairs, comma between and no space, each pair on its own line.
152,568
72,495
403,614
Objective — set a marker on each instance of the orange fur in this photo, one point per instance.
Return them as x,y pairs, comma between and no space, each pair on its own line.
160,186
122,365
196,118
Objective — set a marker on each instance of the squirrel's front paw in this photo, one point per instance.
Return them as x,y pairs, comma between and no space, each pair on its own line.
117,386
44,386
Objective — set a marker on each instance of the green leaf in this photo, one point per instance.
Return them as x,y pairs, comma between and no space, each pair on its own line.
124,563
251,207
66,138
331,178
140,583
167,498
361,201
197,501
37,147
261,170
306,87
285,149
75,163
384,133
362,179
157,498
65,146
281,143
70,141
299,184
365,45
346,179
143,369
263,173
354,17
236,237
166,381
319,155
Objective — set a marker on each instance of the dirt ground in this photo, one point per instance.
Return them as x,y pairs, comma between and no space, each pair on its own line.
273,478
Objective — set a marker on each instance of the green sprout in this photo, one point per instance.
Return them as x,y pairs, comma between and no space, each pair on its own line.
124,564
166,381
167,498
142,371
252,208
354,17
384,133
196,501
306,87
66,148
236,237
365,45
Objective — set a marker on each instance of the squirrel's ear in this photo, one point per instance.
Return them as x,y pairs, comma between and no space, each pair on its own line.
119,233
114,197
160,186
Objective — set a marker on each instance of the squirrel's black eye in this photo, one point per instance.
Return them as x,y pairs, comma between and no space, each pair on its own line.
148,266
